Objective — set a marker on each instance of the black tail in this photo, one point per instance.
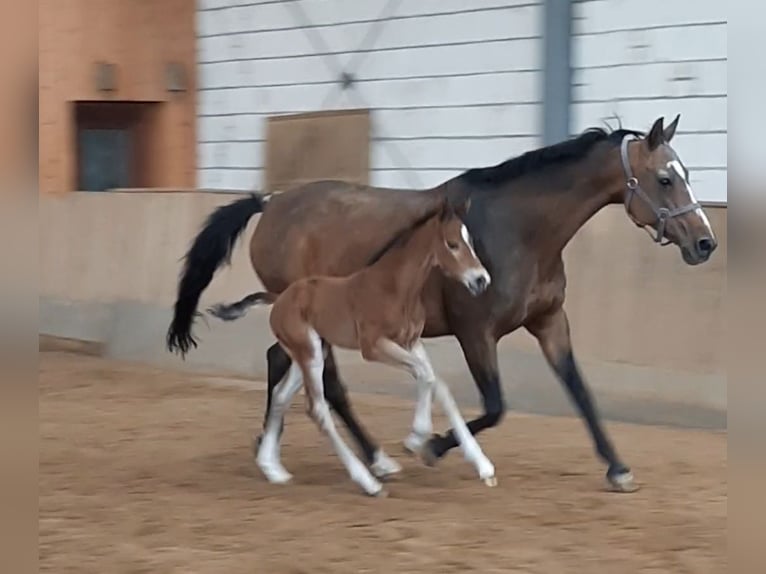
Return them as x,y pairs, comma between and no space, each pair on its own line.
211,248
233,311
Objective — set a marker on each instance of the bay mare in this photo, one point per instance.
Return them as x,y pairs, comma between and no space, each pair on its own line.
377,311
523,213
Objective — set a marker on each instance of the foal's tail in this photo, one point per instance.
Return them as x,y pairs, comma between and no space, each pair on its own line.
210,250
232,311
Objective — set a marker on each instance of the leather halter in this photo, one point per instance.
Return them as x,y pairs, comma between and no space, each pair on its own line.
663,214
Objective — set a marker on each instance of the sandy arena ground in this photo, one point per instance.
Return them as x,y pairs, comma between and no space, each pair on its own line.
144,470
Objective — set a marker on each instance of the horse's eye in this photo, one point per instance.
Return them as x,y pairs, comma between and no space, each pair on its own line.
452,245
665,182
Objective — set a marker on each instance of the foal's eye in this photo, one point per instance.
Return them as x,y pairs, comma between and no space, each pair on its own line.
665,181
452,245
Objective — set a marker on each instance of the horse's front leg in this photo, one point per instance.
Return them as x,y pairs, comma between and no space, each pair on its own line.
552,333
480,351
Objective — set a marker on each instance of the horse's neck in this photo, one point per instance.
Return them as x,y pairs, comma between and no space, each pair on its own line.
557,214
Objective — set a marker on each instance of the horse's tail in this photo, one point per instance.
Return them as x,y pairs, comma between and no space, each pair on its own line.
210,250
232,311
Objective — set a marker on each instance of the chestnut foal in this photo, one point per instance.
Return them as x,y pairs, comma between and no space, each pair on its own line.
377,310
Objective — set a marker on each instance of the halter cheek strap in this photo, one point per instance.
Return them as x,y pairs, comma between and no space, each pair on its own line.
663,214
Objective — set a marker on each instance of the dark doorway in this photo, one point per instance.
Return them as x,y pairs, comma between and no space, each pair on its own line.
112,147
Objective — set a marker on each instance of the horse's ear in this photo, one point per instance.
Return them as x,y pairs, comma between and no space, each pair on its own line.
655,137
670,131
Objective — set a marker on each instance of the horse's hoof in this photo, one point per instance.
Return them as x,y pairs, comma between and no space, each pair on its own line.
623,482
427,455
382,493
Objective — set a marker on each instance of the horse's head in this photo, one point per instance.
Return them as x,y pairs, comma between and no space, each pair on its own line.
659,194
454,252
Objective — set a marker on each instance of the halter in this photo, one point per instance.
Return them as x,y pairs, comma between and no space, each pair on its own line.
634,188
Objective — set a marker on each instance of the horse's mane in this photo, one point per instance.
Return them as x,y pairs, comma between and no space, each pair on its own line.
401,237
537,160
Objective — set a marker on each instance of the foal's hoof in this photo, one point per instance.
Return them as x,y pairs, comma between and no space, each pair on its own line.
490,481
621,481
383,466
275,473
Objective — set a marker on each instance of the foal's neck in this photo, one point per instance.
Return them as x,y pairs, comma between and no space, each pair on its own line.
405,268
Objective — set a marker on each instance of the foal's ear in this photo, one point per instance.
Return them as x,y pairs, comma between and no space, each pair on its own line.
461,209
670,131
656,135
446,211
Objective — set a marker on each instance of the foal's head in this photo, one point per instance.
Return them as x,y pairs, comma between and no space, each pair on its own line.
660,196
454,252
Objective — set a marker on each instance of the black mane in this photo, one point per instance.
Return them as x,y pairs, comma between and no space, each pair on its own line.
566,151
401,237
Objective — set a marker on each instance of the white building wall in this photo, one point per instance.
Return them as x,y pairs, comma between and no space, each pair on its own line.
452,84
455,84
641,59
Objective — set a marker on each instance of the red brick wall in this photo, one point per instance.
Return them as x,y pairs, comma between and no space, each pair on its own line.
140,37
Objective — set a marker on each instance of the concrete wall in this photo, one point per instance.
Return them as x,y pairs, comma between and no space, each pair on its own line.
641,59
452,85
648,329
140,37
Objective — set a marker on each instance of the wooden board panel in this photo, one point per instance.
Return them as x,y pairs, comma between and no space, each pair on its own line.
317,145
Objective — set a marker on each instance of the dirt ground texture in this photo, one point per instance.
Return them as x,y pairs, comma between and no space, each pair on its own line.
145,470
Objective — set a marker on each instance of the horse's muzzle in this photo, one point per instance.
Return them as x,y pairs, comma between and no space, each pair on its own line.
700,251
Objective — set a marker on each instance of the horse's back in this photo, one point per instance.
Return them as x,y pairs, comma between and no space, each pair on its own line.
328,228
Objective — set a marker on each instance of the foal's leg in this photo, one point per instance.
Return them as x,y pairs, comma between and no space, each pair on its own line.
552,332
422,425
335,392
268,456
480,353
320,412
418,364
278,363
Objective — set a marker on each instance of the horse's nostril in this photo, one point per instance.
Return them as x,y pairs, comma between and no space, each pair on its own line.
481,282
705,245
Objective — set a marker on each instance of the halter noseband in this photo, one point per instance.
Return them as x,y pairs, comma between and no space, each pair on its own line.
634,188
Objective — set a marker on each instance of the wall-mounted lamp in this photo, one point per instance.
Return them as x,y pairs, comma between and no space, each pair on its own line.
105,77
175,77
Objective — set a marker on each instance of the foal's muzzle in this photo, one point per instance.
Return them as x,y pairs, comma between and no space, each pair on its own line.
477,283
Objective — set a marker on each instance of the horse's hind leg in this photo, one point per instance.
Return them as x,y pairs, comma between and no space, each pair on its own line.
312,368
335,392
268,455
